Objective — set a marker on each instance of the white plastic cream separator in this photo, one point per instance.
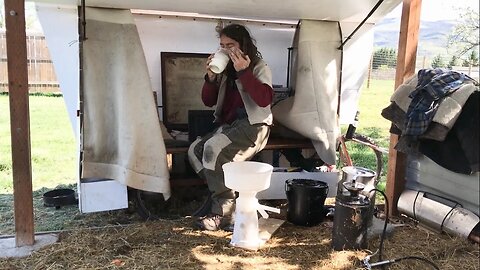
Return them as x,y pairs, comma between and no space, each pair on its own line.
248,178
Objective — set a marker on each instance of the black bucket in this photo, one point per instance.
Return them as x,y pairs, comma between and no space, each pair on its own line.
306,199
59,197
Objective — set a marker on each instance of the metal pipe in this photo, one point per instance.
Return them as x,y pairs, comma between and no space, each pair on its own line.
82,38
339,98
83,31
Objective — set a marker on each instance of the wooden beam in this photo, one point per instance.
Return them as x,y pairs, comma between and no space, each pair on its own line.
407,54
19,121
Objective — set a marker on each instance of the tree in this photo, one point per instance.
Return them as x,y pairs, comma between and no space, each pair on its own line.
384,57
2,15
453,62
465,36
438,62
472,60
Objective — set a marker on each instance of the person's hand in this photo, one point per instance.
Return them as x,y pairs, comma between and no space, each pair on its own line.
210,74
240,60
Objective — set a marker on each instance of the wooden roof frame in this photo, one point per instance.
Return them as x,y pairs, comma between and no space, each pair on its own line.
20,119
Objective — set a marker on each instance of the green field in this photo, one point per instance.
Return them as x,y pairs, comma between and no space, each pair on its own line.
54,154
372,102
373,125
53,148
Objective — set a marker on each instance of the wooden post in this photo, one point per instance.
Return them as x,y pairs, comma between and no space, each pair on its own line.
407,50
19,121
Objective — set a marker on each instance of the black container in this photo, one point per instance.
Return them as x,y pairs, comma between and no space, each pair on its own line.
306,199
350,223
59,197
352,127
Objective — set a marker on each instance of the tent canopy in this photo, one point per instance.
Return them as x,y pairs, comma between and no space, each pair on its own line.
329,10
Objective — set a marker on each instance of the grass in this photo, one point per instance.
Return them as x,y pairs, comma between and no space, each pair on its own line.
373,125
63,218
372,102
53,150
54,154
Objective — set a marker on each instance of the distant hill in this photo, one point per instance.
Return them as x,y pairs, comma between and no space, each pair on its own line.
432,41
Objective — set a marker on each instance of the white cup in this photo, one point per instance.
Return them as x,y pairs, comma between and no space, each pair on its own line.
219,61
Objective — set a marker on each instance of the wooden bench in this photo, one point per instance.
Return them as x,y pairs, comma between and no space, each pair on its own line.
274,143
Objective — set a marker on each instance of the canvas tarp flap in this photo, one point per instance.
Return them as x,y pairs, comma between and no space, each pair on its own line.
122,139
312,111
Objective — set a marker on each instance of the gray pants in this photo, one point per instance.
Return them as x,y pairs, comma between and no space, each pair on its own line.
239,141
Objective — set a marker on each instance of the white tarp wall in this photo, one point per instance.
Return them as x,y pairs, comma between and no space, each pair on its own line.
185,34
59,24
189,35
170,34
357,53
195,35
122,139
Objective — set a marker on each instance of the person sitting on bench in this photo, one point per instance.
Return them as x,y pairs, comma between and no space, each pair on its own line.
242,94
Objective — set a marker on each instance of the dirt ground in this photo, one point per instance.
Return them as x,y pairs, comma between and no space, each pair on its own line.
175,244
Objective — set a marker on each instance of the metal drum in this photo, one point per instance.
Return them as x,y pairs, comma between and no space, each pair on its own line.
352,214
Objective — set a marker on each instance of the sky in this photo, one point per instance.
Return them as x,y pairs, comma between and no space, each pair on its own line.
435,10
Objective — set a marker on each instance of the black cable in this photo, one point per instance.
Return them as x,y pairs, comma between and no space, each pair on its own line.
361,24
416,258
415,203
288,66
444,198
445,217
382,238
426,193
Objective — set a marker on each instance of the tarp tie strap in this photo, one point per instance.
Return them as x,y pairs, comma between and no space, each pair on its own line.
361,24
